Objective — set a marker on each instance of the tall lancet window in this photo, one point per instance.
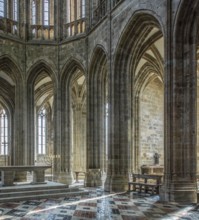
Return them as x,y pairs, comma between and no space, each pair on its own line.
33,12
80,9
42,131
2,8
4,132
83,9
15,10
75,10
46,12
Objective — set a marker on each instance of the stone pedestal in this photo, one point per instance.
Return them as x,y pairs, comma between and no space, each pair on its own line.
116,183
93,178
65,178
181,192
38,176
7,178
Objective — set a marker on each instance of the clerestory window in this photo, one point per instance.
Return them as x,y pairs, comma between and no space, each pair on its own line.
15,10
75,10
42,131
2,8
33,12
46,12
75,17
9,9
40,12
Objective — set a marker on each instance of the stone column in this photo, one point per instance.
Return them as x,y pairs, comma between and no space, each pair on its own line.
78,138
19,152
119,124
65,175
118,151
19,148
93,175
180,121
94,141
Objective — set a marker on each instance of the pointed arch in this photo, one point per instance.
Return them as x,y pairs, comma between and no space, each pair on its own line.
98,59
12,83
39,67
71,67
133,37
142,30
39,71
97,96
9,66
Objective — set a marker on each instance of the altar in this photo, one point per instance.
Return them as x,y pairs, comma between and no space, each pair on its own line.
152,169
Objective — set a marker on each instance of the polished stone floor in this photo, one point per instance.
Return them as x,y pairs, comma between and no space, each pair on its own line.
98,205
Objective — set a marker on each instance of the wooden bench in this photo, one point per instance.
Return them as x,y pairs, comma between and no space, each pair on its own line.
145,183
8,172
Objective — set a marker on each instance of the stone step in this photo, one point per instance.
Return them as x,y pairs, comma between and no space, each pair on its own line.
28,187
26,191
38,192
43,196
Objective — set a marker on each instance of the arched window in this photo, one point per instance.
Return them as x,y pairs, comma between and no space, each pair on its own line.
4,132
42,131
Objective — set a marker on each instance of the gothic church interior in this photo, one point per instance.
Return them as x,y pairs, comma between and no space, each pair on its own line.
102,88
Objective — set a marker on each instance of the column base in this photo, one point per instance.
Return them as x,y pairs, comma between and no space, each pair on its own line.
179,193
116,183
65,178
93,178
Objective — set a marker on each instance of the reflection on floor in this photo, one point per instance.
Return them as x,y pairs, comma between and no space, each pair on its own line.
98,205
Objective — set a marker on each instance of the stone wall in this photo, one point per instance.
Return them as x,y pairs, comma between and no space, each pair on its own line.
151,123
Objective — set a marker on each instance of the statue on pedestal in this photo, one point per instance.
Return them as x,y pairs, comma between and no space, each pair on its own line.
156,158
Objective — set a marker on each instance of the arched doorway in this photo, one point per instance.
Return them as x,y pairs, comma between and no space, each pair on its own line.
73,124
43,117
136,56
148,105
43,145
